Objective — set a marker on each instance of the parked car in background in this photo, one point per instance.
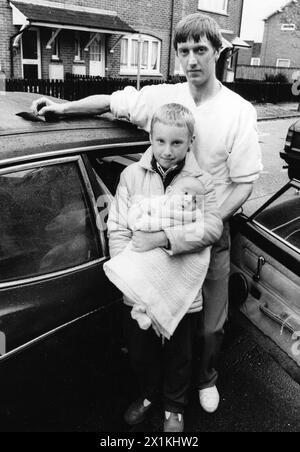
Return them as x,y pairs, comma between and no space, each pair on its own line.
56,182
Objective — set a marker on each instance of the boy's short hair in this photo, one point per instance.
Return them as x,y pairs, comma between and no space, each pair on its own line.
196,26
175,115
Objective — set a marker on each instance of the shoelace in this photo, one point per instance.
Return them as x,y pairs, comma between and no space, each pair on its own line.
168,414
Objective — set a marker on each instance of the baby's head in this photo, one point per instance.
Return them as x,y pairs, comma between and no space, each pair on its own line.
171,134
188,191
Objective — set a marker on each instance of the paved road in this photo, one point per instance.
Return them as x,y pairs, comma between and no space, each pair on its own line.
257,395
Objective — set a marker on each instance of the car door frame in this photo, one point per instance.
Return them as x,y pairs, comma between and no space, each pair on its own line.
13,290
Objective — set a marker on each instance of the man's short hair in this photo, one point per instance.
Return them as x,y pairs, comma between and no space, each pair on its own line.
174,115
196,26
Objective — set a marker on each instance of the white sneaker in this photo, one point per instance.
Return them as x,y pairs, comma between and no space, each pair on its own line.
209,399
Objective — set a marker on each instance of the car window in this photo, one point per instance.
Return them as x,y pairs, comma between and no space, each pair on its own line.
282,217
46,224
107,171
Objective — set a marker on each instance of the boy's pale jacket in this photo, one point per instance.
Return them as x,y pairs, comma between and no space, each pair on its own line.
140,180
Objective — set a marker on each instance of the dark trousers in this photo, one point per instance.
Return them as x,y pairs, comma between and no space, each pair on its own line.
214,313
162,368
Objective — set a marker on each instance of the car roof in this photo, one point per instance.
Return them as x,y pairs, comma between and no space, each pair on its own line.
22,138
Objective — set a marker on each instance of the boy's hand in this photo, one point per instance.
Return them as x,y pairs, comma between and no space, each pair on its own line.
146,241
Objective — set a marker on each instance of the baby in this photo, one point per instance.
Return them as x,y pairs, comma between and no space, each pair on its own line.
181,205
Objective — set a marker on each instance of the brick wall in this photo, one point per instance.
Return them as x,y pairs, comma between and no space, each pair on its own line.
282,44
6,30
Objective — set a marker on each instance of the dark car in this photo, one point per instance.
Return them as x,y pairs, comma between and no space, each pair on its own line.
265,279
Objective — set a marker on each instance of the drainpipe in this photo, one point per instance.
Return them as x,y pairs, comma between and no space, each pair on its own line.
171,36
11,46
139,59
240,25
239,34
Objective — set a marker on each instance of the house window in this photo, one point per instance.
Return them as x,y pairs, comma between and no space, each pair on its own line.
282,62
95,49
255,62
55,49
230,61
78,47
149,58
288,27
215,6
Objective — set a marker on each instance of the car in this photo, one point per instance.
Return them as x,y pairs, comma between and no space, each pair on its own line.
56,183
265,261
57,179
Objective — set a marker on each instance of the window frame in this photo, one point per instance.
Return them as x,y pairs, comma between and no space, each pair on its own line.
37,62
55,50
255,59
293,184
130,70
78,57
283,59
217,10
287,27
93,210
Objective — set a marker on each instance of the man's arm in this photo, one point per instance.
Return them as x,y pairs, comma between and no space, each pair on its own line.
92,105
235,200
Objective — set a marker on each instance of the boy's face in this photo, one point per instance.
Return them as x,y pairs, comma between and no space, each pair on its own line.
170,144
198,60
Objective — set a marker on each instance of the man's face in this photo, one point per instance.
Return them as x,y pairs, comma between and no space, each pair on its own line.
170,144
198,60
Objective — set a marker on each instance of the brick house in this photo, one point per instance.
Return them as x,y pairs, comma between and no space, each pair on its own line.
250,56
49,38
281,41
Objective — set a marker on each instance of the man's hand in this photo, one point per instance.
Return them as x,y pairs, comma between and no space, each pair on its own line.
146,241
46,107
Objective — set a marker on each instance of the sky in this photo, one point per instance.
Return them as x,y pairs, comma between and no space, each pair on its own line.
254,13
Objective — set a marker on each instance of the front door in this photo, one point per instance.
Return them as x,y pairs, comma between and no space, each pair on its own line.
97,56
31,55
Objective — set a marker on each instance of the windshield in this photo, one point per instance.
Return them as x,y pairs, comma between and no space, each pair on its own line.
281,215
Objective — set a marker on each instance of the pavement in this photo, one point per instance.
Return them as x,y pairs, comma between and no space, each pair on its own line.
277,111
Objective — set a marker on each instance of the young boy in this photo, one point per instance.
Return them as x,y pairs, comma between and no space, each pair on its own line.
167,160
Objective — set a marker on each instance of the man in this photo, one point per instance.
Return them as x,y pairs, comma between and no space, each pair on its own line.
226,146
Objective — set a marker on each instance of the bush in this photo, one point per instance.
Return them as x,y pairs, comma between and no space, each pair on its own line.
276,78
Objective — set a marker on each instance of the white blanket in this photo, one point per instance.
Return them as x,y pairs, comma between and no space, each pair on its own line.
165,286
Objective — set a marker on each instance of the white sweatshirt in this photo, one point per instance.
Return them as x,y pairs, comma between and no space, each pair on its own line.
226,144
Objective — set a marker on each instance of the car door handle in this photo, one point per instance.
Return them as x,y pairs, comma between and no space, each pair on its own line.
260,262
